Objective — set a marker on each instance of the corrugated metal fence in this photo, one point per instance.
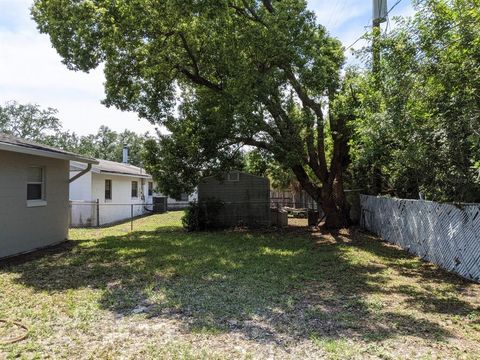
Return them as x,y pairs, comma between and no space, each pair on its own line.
445,234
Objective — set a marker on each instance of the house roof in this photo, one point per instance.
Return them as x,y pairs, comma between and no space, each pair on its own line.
23,146
114,168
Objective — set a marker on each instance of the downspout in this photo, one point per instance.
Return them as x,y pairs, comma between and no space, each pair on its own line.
81,173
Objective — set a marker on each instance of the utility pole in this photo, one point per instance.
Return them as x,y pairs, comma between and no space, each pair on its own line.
380,13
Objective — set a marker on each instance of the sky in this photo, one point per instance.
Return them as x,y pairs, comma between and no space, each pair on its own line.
31,71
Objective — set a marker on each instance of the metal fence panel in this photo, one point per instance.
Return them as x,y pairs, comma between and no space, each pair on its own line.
85,214
445,234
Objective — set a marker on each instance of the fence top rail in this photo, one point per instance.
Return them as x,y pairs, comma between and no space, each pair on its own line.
458,204
109,204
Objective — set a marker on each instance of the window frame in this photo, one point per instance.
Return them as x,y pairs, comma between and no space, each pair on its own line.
110,189
136,189
42,201
150,188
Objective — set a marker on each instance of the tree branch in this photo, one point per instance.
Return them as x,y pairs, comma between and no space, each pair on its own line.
199,80
307,102
313,190
268,5
190,53
251,15
195,76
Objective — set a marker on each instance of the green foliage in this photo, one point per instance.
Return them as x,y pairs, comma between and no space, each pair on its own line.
202,215
28,121
108,144
219,75
261,163
418,131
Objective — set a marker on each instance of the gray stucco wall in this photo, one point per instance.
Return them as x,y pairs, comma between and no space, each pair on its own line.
25,228
247,201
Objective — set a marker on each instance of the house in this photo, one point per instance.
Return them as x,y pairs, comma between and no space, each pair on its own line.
246,198
109,193
182,203
112,192
34,193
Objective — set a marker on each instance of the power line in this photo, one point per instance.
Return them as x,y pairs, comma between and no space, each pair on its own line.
340,12
394,6
333,13
365,33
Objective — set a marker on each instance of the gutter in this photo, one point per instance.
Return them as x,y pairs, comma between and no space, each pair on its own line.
81,173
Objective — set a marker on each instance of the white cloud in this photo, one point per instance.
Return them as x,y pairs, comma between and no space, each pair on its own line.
31,71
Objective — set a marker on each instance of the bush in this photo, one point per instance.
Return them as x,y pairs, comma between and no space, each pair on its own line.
202,215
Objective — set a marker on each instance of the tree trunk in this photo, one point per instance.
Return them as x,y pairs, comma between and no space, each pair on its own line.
335,207
330,197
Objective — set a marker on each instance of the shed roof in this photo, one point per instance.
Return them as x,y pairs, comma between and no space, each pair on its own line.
223,175
112,167
23,146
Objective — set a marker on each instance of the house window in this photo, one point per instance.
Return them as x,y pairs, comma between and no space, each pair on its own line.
36,183
108,189
150,188
134,189
233,176
184,197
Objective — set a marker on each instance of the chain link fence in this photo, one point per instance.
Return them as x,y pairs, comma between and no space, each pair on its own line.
93,214
256,214
88,214
445,234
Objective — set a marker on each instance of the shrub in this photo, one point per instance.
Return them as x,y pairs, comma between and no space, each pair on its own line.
202,215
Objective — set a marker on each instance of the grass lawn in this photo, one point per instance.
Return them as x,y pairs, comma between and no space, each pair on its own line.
162,293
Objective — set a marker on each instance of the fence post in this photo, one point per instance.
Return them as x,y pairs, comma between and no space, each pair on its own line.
70,208
98,213
131,217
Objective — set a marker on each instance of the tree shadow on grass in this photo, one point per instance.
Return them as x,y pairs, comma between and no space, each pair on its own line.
269,287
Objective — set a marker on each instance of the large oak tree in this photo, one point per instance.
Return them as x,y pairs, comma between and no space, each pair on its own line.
219,74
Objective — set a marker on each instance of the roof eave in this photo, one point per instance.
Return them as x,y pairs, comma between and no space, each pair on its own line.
146,176
46,153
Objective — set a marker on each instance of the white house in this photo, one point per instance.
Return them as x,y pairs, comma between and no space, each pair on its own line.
110,192
113,192
34,187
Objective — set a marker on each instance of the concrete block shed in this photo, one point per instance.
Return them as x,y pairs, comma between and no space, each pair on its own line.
34,186
246,198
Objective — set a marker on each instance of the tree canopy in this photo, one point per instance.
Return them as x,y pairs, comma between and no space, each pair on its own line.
219,75
28,121
226,75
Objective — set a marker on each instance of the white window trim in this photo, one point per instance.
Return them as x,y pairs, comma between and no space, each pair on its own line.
36,203
39,202
131,189
111,190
